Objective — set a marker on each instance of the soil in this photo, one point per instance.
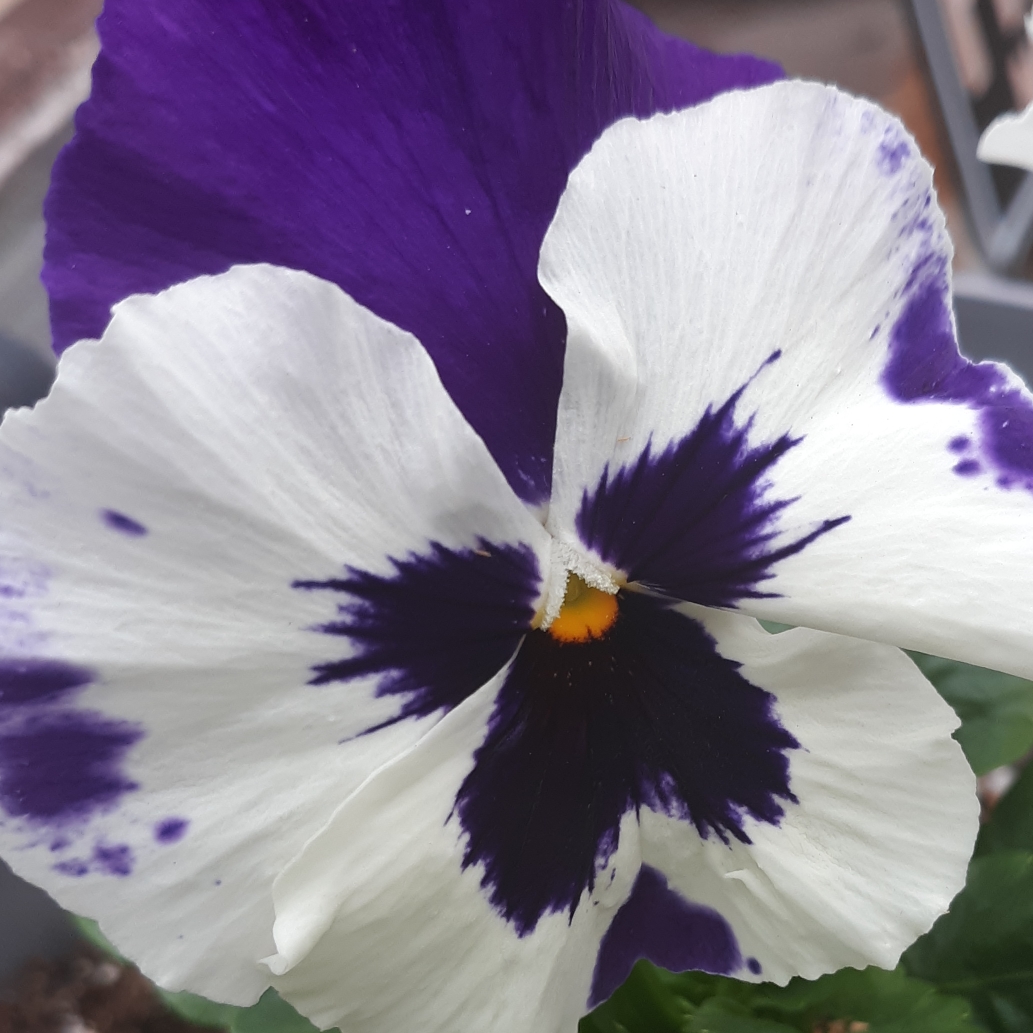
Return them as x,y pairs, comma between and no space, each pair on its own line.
86,992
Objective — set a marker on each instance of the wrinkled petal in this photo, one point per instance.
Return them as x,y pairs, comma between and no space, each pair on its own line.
380,924
167,739
871,851
763,401
411,151
1008,140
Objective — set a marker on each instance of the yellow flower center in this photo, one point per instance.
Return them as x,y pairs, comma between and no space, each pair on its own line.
586,613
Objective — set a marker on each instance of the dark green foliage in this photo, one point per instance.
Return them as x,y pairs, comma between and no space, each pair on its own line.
996,710
654,1001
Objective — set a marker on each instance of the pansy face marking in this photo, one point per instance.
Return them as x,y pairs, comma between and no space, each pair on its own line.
617,701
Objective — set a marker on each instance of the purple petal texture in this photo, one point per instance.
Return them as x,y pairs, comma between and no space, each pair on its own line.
411,151
657,923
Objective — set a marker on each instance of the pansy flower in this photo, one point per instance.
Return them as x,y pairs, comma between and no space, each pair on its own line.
379,599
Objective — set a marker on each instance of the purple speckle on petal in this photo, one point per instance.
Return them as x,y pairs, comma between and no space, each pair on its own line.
120,522
925,366
113,860
76,867
659,924
754,966
171,830
893,152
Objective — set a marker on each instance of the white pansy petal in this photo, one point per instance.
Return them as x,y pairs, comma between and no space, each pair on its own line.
870,852
381,923
1008,140
210,531
763,404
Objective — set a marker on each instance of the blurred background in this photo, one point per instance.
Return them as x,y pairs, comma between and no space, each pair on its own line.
946,67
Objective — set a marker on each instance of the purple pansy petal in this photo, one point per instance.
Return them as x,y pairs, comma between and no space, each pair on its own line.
170,735
412,152
790,221
878,840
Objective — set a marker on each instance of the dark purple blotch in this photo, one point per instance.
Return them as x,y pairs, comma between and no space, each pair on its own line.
58,765
122,523
660,925
34,682
652,716
62,766
925,366
171,830
696,520
754,966
438,628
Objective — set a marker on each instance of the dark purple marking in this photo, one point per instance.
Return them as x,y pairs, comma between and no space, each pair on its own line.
962,443
660,925
113,860
696,520
34,682
349,140
62,766
754,966
648,716
925,366
438,629
968,467
171,830
125,524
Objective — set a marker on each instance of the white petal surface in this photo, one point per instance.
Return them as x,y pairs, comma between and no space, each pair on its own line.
248,430
1008,140
879,841
773,242
379,927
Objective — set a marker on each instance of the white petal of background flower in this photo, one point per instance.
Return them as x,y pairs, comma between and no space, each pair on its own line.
879,842
383,929
686,250
1008,140
262,427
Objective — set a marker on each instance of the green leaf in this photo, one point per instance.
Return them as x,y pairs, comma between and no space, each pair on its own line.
996,710
1011,825
983,947
723,1015
655,1001
199,1010
272,1014
644,1004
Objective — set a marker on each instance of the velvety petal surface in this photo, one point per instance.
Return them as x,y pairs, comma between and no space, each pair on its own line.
380,924
183,522
763,402
410,151
870,852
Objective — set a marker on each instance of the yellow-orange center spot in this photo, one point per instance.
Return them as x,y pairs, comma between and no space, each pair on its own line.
586,613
